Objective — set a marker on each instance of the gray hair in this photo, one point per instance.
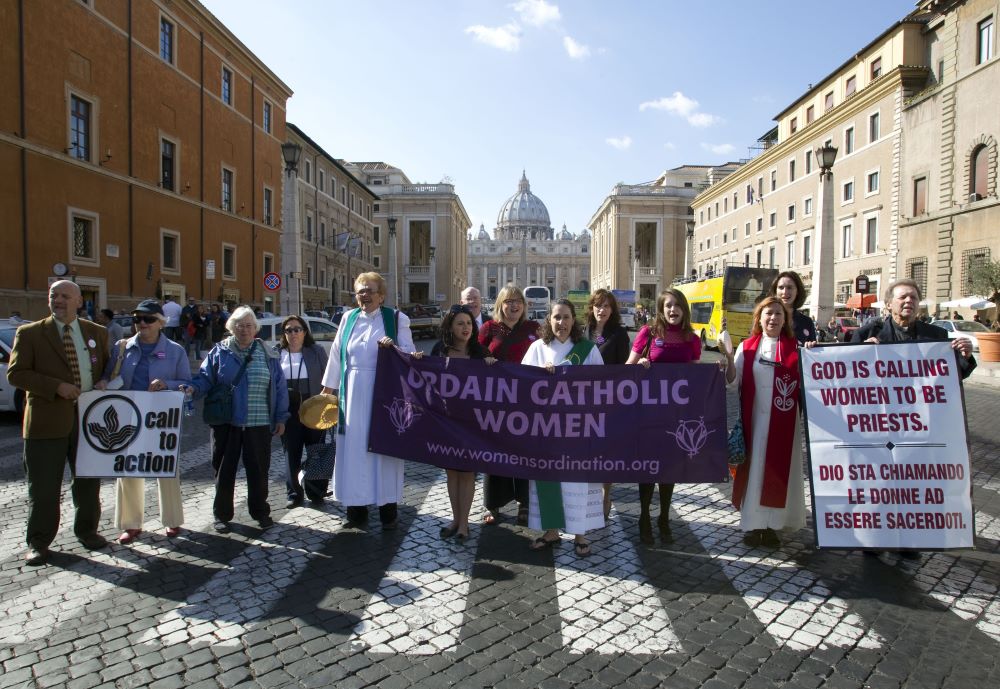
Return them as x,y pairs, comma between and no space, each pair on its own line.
901,282
467,292
241,313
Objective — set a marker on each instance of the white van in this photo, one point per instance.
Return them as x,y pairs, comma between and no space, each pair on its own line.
322,329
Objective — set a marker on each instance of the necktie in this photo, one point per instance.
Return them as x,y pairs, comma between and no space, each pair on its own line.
74,363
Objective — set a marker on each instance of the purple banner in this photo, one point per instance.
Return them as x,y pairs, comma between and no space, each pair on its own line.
596,424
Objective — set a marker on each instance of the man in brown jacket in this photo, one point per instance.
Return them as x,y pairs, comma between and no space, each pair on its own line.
54,360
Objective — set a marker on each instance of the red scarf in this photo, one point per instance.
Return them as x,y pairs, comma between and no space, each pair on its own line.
781,426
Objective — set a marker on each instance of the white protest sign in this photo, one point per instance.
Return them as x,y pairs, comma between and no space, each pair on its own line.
127,434
888,454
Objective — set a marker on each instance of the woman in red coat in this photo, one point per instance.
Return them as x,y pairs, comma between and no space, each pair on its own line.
507,337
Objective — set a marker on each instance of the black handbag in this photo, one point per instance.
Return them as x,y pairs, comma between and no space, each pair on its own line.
318,464
218,408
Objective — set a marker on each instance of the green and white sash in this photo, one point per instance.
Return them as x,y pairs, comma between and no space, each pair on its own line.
390,318
550,502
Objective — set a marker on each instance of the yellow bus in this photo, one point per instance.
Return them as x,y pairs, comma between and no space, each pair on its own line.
725,301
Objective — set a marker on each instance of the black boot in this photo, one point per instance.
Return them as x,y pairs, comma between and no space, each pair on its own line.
357,516
663,522
645,523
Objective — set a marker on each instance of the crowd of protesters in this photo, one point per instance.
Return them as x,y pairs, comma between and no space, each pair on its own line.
57,358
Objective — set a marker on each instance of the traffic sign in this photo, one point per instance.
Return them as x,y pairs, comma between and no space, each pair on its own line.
861,284
272,281
210,269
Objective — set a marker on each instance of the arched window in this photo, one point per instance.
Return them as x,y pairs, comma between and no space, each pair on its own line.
978,172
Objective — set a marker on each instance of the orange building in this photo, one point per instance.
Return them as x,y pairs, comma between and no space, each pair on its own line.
140,148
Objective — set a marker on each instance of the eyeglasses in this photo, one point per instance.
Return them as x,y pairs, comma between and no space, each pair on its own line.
363,291
513,302
245,326
291,331
148,320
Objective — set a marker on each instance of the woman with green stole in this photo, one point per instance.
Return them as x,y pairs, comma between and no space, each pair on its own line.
573,507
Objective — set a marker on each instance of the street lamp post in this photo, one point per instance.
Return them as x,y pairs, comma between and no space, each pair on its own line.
821,297
291,152
392,262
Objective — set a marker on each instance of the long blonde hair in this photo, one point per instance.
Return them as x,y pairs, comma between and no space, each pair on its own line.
510,292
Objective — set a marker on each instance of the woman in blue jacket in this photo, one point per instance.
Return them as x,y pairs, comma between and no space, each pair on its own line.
149,361
260,409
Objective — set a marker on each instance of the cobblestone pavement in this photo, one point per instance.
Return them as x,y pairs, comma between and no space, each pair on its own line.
311,603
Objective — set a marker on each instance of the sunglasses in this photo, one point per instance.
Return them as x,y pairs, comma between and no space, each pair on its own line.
296,329
458,308
148,320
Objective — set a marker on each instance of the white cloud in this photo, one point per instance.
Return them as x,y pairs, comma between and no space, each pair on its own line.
536,12
621,144
681,105
506,37
575,50
719,149
670,145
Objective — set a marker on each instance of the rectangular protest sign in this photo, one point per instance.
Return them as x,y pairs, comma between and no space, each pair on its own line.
128,434
610,424
888,453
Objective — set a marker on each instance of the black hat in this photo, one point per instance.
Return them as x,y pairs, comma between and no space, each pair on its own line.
149,306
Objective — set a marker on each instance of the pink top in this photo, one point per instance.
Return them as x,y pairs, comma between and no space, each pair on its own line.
671,349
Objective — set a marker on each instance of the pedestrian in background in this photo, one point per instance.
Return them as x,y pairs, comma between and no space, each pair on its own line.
670,340
54,360
604,329
507,337
172,311
259,411
106,317
768,489
303,363
148,361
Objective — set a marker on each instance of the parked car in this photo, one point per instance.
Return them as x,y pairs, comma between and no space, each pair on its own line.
317,314
425,320
967,329
845,326
11,399
322,329
628,317
125,321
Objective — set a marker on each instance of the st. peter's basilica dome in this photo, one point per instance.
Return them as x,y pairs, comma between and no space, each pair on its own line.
523,214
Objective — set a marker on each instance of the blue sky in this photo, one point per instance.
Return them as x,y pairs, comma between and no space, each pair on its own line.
582,95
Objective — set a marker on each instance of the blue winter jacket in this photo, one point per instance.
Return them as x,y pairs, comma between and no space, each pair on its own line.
169,363
222,365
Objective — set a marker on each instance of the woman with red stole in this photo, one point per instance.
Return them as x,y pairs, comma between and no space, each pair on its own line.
768,489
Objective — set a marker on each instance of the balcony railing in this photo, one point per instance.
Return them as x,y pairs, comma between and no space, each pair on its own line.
418,271
382,189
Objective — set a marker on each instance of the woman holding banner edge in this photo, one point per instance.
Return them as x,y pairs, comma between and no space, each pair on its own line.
507,337
459,340
573,507
670,339
769,490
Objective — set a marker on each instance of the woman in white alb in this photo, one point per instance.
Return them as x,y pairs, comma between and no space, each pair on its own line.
574,507
362,478
769,489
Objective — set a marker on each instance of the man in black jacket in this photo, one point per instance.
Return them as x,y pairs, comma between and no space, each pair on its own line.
903,298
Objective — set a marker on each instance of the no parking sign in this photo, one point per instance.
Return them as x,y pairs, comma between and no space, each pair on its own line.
272,281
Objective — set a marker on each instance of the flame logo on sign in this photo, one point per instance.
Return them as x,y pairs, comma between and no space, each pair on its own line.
691,435
402,414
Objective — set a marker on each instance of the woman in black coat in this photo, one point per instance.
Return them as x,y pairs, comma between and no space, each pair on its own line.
303,362
789,289
604,328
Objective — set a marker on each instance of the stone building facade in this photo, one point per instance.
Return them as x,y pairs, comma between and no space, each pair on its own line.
419,235
525,250
137,146
640,232
327,229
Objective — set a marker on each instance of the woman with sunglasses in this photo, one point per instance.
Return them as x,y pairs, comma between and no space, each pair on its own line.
507,337
303,362
459,340
149,361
